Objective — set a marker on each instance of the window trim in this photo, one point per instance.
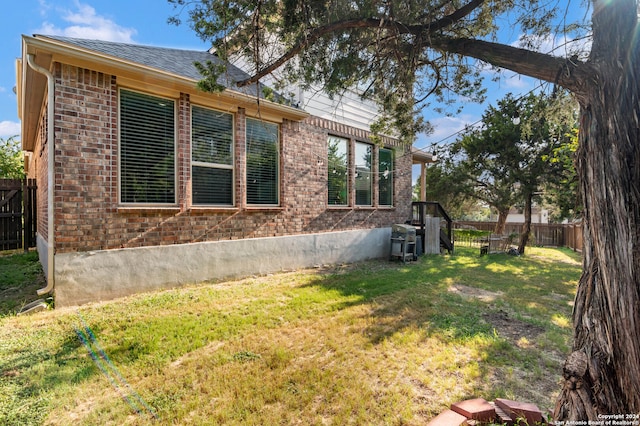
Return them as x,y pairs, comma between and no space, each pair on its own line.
392,171
278,162
370,171
231,166
347,178
175,151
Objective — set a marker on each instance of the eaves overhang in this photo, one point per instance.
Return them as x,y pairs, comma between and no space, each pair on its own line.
420,156
47,51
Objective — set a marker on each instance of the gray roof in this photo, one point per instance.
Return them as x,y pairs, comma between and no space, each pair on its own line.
175,61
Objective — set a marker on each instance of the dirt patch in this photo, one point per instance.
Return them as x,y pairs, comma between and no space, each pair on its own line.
519,332
472,292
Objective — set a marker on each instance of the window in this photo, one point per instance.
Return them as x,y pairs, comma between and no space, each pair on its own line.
262,149
211,157
338,178
147,149
385,177
364,183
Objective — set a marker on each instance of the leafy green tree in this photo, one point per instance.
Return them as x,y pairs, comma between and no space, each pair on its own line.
11,159
487,161
505,162
408,53
561,190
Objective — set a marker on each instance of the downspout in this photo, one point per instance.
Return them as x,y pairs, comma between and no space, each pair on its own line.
50,175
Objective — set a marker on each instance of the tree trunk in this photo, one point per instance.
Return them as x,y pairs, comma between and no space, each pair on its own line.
502,220
526,227
602,375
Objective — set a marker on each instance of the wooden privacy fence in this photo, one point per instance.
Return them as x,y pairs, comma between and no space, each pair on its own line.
542,234
17,214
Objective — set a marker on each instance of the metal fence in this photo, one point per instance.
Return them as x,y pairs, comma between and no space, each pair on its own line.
542,234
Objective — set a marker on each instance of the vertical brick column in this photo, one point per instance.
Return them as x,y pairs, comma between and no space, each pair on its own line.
240,158
183,147
86,144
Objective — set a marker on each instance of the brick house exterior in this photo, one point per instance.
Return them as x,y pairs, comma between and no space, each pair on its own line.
101,247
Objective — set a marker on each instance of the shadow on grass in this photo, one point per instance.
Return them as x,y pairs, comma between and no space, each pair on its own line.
417,293
529,293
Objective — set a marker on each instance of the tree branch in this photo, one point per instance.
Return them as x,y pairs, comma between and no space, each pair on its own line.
309,39
429,28
568,73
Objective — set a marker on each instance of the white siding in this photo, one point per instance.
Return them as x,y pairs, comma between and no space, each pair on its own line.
347,109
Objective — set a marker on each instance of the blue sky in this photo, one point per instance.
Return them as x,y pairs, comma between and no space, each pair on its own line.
132,21
145,22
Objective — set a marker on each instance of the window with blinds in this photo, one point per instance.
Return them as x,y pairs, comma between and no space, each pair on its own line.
385,177
263,158
211,157
364,178
147,149
337,172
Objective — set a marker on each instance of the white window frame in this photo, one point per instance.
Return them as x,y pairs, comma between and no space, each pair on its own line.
216,165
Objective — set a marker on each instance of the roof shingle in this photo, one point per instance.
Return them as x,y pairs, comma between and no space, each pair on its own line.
174,61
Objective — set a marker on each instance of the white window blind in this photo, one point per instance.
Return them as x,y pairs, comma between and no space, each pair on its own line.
263,157
385,177
212,157
147,149
337,168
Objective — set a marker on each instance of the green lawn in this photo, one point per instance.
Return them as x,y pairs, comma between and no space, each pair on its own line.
374,343
20,278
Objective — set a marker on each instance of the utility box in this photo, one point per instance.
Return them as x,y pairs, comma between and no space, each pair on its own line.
403,242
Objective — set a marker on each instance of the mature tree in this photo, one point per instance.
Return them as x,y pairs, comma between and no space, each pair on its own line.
507,160
11,161
400,52
561,190
485,163
541,126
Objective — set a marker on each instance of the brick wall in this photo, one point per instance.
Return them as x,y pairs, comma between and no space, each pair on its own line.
88,214
38,170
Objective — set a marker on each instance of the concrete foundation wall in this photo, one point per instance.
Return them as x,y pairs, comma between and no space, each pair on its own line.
94,276
43,251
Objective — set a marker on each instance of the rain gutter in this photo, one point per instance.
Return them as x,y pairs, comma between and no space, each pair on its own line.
50,175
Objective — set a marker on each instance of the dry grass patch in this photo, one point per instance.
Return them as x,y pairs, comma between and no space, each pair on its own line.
369,344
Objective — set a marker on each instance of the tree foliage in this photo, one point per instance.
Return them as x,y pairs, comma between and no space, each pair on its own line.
11,160
346,44
561,189
513,155
446,187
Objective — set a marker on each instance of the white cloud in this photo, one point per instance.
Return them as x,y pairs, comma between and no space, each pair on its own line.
84,22
447,129
561,45
9,128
